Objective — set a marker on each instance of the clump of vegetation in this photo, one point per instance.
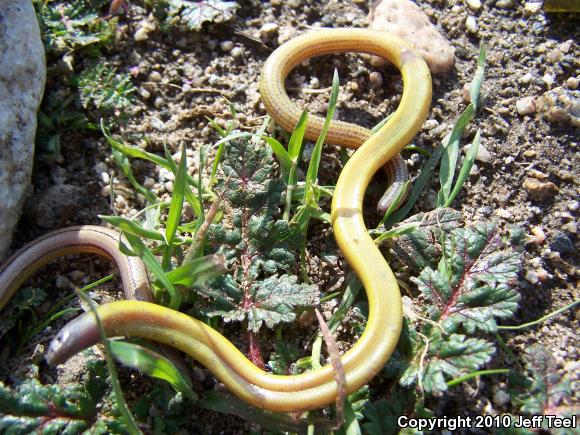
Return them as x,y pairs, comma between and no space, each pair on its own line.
194,14
101,87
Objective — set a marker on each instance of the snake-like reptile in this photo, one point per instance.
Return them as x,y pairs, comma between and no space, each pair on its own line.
138,316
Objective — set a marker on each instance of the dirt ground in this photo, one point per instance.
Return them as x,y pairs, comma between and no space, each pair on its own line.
183,76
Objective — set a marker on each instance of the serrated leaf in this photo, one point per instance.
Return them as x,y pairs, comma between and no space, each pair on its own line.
195,14
473,283
381,416
33,407
421,248
447,357
23,301
543,390
271,301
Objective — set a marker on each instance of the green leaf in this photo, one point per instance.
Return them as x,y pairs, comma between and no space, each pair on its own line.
150,261
465,168
543,389
271,301
312,173
177,196
448,357
25,300
198,271
35,408
105,89
381,416
152,364
474,282
296,140
421,248
129,226
195,14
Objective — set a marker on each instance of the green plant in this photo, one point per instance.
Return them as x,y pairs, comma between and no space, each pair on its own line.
73,25
32,407
101,87
193,14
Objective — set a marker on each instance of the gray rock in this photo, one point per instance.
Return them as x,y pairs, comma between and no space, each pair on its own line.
56,205
406,20
22,76
561,243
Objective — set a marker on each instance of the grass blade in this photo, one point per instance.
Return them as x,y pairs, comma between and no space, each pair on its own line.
297,138
465,169
198,270
152,364
312,174
177,196
151,262
131,227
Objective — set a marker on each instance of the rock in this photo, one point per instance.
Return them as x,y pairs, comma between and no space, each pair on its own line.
532,8
483,155
561,243
22,76
376,79
142,34
473,5
268,31
561,106
504,4
526,106
526,78
540,190
226,46
471,24
56,205
538,236
405,19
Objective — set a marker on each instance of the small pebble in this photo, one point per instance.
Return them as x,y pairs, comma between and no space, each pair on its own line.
532,277
155,76
145,94
471,24
501,398
572,83
526,106
237,52
530,153
532,8
549,80
483,155
554,56
573,205
169,186
540,190
268,30
142,34
430,124
149,182
159,103
526,78
570,227
561,243
376,79
504,4
465,92
226,46
538,236
473,5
